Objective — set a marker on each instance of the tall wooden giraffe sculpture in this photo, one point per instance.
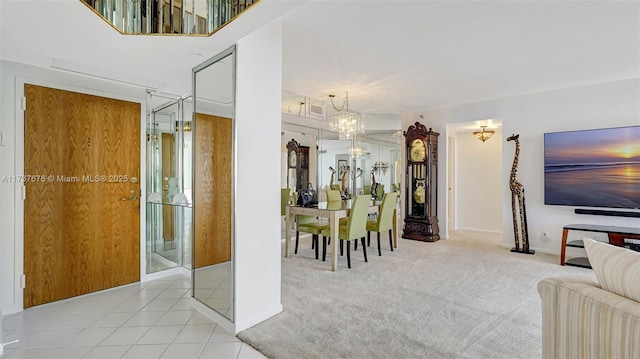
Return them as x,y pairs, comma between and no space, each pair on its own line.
518,209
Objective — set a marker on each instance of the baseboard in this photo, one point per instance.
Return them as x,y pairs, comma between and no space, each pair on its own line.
277,309
234,328
166,273
477,230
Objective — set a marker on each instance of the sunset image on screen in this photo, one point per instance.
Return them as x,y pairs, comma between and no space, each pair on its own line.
594,168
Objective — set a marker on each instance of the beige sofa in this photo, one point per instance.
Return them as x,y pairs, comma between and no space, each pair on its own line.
581,319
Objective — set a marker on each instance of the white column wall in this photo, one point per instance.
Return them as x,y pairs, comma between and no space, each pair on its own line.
258,160
611,104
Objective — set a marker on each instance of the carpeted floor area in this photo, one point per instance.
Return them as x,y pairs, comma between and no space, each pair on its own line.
465,297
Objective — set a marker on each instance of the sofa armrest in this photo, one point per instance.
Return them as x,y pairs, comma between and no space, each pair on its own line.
581,320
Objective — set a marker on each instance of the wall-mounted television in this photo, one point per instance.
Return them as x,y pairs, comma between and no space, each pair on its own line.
593,168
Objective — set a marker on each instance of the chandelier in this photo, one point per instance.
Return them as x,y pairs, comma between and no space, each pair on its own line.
355,151
484,135
347,124
380,167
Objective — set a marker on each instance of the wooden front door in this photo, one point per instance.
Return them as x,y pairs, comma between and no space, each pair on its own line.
82,212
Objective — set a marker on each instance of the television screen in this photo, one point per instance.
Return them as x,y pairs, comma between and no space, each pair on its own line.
593,168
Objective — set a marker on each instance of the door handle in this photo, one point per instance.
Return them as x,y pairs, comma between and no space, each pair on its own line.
132,196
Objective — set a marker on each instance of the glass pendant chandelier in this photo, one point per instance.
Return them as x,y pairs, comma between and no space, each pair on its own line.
348,124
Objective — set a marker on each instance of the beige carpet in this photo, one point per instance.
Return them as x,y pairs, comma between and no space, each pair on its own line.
465,297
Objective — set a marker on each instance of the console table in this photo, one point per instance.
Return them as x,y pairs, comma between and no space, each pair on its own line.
616,238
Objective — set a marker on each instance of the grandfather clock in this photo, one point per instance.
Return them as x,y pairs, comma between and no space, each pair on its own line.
421,221
297,165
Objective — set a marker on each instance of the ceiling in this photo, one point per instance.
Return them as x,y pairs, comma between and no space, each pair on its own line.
393,57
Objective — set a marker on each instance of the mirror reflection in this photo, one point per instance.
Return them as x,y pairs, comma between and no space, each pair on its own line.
168,182
370,164
373,169
213,113
168,16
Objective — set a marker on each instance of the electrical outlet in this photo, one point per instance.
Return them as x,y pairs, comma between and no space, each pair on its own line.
544,237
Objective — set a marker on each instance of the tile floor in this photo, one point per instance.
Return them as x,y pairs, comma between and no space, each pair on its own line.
143,320
214,287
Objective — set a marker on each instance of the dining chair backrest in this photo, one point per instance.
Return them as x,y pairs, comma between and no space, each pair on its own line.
357,220
333,195
335,187
334,204
379,191
284,200
385,214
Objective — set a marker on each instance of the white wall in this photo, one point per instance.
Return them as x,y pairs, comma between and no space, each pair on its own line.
479,182
257,218
609,104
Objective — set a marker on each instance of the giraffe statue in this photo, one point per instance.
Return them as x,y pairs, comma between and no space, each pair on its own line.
518,208
333,174
344,189
374,184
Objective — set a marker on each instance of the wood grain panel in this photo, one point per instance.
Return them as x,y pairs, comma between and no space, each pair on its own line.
79,236
44,218
213,190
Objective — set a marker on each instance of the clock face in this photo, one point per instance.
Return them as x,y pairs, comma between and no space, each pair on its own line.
292,159
418,151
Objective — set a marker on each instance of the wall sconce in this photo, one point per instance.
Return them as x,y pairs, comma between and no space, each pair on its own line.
484,135
186,126
380,167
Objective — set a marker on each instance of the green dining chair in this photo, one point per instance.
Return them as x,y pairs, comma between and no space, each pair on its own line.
355,228
385,219
333,195
379,191
309,224
284,200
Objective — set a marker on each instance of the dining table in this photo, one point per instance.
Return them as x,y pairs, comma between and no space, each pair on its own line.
333,211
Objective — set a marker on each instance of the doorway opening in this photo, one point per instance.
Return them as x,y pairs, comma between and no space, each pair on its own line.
474,178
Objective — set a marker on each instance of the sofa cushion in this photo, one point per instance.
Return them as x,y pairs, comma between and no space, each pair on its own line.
617,269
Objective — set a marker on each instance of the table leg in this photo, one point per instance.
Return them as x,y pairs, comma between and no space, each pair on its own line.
395,228
334,223
287,231
563,248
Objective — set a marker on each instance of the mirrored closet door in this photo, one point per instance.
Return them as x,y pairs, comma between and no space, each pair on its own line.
213,178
